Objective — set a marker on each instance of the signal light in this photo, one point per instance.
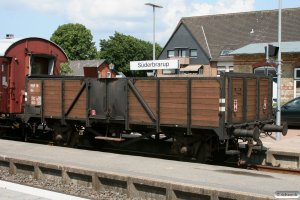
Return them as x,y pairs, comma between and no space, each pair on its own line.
271,51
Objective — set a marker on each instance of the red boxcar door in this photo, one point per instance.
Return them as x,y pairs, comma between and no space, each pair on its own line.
4,88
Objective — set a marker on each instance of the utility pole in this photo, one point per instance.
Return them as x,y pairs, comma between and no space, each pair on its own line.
153,6
278,114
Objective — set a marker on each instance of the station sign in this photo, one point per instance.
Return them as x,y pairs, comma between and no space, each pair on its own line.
154,64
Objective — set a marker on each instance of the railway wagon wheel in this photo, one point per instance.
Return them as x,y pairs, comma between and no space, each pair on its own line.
63,135
204,151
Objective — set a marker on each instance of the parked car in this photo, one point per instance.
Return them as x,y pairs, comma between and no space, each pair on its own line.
290,112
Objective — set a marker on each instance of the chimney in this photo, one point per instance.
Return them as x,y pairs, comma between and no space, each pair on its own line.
9,36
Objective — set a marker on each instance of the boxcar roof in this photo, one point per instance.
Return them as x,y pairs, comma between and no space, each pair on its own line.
5,44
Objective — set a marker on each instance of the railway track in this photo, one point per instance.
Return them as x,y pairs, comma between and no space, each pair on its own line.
274,169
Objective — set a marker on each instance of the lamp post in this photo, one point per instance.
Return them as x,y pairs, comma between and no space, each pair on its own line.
278,114
153,6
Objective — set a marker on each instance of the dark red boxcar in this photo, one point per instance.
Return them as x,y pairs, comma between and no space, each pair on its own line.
20,57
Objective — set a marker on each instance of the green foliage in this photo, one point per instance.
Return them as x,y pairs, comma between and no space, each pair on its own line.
121,49
76,40
65,68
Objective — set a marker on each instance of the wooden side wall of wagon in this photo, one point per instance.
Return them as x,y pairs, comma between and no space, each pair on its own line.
142,100
188,103
249,99
56,98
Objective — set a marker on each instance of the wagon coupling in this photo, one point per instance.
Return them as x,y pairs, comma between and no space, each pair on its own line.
250,133
275,128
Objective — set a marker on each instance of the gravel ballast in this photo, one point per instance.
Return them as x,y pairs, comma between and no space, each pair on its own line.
57,186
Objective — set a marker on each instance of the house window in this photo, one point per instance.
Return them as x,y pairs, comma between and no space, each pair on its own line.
265,71
169,71
225,52
297,82
297,73
223,69
193,53
171,53
182,53
200,70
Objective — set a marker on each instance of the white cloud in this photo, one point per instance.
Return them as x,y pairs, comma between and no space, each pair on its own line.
132,17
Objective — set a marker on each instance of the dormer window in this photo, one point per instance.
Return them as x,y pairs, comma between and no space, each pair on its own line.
225,52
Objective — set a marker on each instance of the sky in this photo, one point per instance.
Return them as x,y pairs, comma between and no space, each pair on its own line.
40,18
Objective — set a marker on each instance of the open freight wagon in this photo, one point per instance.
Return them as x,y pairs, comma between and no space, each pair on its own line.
198,115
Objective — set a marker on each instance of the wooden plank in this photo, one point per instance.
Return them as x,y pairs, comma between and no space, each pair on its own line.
173,111
78,103
171,83
173,106
178,95
205,84
205,117
52,83
139,119
52,96
205,123
149,83
52,111
206,101
206,96
172,100
205,90
208,110
52,114
135,109
172,120
147,95
73,82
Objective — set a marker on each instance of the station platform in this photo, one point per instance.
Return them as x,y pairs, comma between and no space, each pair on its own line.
284,152
140,176
13,191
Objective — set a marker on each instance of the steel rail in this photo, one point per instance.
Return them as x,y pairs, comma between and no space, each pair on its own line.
274,169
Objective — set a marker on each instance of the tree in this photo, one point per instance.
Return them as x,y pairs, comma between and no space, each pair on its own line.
65,68
76,40
121,49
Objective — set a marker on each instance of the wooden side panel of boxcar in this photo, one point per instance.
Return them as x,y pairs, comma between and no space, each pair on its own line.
169,100
136,113
47,98
264,98
173,102
238,100
205,97
51,98
71,89
251,99
34,96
